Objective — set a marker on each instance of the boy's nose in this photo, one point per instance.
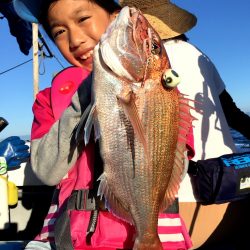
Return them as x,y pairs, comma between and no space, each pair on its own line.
76,38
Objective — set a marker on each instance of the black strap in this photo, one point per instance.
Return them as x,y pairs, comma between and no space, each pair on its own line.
83,200
192,168
92,225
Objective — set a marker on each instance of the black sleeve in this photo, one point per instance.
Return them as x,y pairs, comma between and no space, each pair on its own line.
236,119
84,93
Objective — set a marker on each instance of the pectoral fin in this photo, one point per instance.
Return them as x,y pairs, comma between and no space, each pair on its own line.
127,101
89,125
112,203
82,121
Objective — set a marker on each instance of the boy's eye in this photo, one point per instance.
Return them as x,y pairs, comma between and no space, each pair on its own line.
82,19
57,33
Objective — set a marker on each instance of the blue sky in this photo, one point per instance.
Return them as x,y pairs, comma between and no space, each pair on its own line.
222,32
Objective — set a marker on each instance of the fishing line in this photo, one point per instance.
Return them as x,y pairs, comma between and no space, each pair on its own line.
3,72
21,64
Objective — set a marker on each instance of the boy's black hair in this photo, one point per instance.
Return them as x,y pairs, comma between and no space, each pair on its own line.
109,5
182,37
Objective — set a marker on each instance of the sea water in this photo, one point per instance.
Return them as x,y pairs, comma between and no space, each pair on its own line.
242,143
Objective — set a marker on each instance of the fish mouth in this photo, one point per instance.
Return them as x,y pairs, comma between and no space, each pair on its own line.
116,33
129,38
124,16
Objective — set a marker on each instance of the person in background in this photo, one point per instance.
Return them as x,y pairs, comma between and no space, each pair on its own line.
14,150
56,157
215,112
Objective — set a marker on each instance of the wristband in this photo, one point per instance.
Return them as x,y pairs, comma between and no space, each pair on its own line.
3,166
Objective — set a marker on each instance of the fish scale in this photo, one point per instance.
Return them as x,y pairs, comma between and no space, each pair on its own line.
137,120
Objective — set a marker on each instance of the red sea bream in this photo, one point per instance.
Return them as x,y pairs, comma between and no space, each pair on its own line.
141,121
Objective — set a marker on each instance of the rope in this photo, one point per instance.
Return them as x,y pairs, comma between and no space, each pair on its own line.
3,72
21,64
58,61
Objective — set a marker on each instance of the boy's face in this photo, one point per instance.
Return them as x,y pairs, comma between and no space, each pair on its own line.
77,26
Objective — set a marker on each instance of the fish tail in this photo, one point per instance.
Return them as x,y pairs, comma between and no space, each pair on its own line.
152,244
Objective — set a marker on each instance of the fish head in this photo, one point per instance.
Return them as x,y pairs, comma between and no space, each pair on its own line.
132,49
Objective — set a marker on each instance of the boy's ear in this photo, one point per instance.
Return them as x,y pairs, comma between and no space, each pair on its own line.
115,14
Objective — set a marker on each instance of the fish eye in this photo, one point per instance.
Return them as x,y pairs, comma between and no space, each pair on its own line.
156,49
170,79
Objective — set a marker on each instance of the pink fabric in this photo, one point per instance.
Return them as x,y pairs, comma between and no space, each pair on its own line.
64,85
173,232
51,102
86,159
43,115
48,107
84,168
110,231
119,233
122,235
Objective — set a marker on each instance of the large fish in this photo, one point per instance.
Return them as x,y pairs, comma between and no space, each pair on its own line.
142,122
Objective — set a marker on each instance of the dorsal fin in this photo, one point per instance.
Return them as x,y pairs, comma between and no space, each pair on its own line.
180,161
